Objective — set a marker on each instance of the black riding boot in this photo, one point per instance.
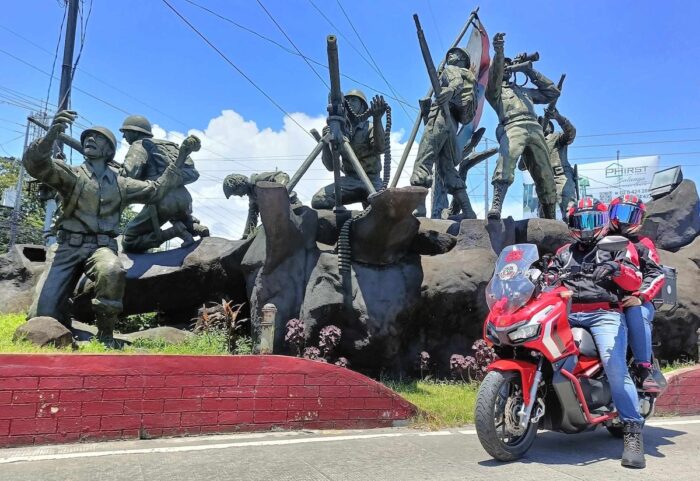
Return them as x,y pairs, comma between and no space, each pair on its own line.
633,454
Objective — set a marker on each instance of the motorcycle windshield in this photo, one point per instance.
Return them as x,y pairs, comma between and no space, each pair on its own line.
511,287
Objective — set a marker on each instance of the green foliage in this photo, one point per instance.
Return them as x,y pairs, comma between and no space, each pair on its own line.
137,322
442,404
672,366
206,343
31,218
127,214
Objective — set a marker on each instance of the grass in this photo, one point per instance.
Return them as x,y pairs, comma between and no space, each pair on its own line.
200,344
677,365
442,404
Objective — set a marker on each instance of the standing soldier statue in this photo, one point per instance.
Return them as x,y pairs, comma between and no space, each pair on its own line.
558,144
438,145
147,159
93,196
240,186
368,143
518,131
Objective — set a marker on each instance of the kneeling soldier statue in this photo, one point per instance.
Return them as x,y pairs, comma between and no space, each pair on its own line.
93,196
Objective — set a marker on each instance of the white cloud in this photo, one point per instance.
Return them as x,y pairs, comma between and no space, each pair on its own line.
232,144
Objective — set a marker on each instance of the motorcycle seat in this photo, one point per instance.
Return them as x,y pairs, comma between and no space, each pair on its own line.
584,341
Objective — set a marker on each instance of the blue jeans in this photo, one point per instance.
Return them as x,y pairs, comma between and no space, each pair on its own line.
610,334
638,320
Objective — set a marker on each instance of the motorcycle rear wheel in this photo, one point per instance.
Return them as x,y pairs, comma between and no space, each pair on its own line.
491,417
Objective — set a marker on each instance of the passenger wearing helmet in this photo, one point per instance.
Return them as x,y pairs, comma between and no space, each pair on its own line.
147,159
626,217
93,196
599,280
367,142
438,145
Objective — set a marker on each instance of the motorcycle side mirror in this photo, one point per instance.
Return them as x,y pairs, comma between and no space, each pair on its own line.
613,243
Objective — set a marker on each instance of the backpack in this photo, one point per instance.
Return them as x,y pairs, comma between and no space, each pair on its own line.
162,153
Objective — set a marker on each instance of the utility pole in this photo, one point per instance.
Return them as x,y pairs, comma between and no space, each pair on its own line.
486,180
16,212
63,98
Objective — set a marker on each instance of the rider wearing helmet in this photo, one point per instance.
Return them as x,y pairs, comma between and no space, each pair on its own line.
599,281
626,217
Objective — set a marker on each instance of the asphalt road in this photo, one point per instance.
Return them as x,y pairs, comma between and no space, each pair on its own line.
672,446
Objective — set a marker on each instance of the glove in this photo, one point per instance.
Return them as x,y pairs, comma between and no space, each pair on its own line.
605,270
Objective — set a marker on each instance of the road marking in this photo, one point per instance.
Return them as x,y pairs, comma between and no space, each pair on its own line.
468,431
437,433
198,447
672,423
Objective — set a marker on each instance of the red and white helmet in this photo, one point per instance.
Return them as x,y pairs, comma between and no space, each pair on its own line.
626,213
588,220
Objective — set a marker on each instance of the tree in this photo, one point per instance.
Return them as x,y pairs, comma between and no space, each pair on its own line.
30,222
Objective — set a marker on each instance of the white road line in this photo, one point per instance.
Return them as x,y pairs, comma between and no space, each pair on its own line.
468,431
437,433
199,447
672,423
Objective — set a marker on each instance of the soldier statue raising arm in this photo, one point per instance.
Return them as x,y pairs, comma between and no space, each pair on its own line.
518,131
558,145
93,196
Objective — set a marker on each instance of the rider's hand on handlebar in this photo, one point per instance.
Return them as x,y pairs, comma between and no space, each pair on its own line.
605,270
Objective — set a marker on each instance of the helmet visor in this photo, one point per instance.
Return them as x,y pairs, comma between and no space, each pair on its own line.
626,214
588,221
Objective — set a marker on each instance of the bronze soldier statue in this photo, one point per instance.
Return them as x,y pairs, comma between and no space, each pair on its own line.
558,144
367,141
93,196
438,143
147,159
518,132
239,185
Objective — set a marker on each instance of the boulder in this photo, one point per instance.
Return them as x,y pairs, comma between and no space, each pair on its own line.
176,282
486,234
676,331
44,331
165,333
673,221
691,251
383,234
431,243
548,234
20,269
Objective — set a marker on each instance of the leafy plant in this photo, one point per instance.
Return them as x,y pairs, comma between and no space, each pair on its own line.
295,335
221,318
473,368
329,337
137,322
313,353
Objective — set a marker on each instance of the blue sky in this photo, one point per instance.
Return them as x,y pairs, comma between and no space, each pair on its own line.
630,65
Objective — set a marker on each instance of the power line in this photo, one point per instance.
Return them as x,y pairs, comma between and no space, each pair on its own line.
638,132
635,143
292,52
243,74
55,56
372,58
293,45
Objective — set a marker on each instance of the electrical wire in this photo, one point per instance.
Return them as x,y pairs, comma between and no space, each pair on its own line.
241,72
55,56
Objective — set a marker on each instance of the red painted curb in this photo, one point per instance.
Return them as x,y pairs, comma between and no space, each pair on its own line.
683,393
70,398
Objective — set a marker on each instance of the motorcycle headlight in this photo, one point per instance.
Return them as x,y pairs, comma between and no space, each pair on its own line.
526,332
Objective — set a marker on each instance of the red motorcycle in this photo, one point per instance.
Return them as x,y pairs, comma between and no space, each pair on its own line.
548,374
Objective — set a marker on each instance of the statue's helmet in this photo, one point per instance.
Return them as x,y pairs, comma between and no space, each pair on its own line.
359,94
461,51
137,123
234,184
102,131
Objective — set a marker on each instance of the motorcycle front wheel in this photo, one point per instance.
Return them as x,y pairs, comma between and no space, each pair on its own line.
497,404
